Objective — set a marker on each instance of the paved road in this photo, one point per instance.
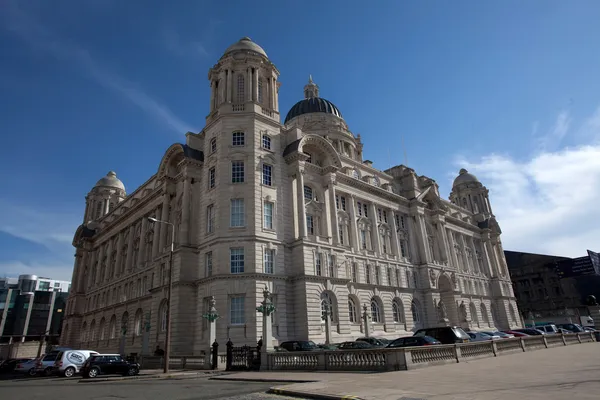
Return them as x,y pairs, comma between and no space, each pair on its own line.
172,389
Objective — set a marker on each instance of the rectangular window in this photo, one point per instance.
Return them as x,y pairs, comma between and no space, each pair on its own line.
208,263
389,276
318,269
377,276
310,226
266,142
359,208
400,221
269,261
368,274
365,210
384,244
331,265
210,218
237,260
268,215
238,139
308,193
341,234
403,251
213,145
354,273
211,178
237,171
236,310
379,215
267,174
340,202
363,239
237,213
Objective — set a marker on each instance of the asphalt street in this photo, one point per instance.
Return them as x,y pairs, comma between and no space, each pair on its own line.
138,389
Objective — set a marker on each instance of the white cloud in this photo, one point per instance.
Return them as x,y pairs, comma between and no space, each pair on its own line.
548,203
42,39
13,269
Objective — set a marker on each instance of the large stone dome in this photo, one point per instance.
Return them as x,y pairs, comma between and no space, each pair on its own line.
312,103
465,176
245,44
111,181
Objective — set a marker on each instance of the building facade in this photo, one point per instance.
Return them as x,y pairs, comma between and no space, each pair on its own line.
553,288
31,307
290,206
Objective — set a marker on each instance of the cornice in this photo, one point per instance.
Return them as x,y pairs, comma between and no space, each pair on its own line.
372,189
243,276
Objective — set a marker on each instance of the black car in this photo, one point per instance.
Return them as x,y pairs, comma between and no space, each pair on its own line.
445,334
108,364
299,345
8,366
411,341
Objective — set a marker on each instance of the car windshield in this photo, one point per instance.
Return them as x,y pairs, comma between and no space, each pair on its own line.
460,333
384,340
308,345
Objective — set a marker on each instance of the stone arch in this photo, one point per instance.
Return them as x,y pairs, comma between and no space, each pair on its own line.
84,332
329,302
485,318
473,312
112,327
417,314
447,309
168,164
398,315
93,330
138,322
102,328
323,146
162,316
354,312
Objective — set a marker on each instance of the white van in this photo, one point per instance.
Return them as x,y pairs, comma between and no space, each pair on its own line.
69,362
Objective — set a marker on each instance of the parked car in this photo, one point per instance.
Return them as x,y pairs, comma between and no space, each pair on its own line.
27,367
108,364
333,346
503,335
9,365
299,345
482,336
530,331
589,329
516,333
571,327
377,342
69,362
413,341
356,346
549,329
445,334
45,365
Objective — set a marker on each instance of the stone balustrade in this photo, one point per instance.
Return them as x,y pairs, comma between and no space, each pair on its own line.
397,359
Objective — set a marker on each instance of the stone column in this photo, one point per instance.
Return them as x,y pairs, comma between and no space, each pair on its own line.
156,237
212,96
229,87
255,85
395,241
421,238
163,228
329,212
118,266
106,206
130,248
107,271
81,266
452,250
276,97
222,86
142,255
301,208
271,93
334,221
248,83
489,252
376,239
185,212
327,324
92,268
354,236
443,239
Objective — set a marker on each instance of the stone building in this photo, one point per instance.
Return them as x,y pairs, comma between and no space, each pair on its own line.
293,206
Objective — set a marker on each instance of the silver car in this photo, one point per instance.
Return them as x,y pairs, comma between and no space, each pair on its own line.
69,362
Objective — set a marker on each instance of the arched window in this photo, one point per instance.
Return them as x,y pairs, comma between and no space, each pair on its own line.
125,323
93,331
137,329
112,327
473,311
260,90
328,306
352,311
163,316
84,332
416,313
398,311
513,315
375,312
240,89
495,319
102,329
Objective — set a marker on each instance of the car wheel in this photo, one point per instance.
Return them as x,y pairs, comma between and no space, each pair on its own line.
69,372
132,371
48,371
92,373
31,372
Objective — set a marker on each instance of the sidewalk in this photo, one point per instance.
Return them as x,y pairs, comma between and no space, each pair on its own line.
554,374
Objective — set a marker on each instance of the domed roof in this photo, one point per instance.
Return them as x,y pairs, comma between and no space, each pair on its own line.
464,177
110,180
245,44
312,103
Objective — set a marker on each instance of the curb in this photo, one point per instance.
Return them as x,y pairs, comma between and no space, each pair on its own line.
311,395
274,380
182,375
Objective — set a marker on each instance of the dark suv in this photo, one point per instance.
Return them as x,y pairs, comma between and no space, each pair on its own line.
445,334
107,364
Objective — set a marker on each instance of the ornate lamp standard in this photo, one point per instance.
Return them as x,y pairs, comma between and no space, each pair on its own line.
365,318
168,327
266,308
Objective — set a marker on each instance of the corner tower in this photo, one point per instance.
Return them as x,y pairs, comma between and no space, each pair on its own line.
103,197
244,80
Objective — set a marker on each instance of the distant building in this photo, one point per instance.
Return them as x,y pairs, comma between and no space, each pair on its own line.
553,287
31,307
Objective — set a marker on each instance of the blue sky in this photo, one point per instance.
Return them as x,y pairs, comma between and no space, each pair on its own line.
509,90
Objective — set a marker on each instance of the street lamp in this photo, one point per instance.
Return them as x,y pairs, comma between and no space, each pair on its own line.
168,330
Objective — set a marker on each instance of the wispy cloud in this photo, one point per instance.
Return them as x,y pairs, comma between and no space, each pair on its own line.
41,38
552,139
60,271
547,203
173,42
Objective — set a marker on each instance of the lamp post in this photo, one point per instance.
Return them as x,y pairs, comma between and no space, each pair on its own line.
170,287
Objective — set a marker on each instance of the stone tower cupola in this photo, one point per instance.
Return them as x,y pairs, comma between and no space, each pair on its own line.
244,80
470,194
103,197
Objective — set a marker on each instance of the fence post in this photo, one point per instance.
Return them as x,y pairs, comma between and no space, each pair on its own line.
215,355
578,337
229,345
